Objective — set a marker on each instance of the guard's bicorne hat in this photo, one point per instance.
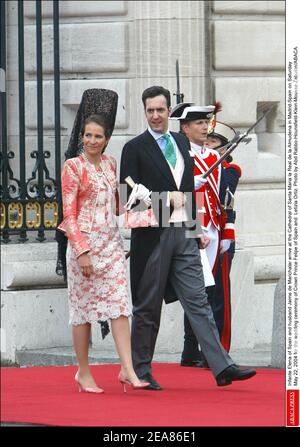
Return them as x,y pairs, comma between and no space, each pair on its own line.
222,131
186,111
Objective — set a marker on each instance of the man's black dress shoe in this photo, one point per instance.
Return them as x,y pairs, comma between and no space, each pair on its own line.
234,373
153,385
195,363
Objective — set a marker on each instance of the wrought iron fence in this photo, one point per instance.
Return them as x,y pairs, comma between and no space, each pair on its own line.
29,203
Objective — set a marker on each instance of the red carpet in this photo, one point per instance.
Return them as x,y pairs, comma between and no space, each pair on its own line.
48,395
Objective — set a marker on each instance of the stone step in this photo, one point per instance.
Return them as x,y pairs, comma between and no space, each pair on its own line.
63,356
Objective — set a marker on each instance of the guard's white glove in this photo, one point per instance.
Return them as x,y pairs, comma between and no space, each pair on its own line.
199,181
224,245
139,192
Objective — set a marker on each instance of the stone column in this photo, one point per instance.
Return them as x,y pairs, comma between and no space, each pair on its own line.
162,32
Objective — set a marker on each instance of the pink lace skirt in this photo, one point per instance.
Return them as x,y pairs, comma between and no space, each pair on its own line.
105,294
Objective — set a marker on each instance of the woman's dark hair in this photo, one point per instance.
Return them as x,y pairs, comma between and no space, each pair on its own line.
101,121
156,90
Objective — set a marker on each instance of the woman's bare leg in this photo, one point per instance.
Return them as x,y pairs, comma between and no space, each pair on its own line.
121,333
81,338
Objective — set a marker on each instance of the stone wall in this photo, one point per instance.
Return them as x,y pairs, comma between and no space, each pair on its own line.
247,42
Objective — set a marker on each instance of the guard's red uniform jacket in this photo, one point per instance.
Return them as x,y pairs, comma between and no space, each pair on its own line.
213,193
233,174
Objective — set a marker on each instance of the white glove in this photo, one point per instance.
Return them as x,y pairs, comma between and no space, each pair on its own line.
139,192
199,181
224,245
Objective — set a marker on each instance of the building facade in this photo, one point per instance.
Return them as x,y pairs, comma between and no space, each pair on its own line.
233,52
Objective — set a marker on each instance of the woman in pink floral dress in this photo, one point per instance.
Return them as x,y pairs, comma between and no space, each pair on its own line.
97,281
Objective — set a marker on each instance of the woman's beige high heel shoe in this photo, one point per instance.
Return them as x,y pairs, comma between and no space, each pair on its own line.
125,382
95,390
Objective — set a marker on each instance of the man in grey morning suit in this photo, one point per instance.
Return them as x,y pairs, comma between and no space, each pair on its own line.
164,263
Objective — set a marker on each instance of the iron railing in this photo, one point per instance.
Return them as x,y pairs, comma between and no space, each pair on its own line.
30,203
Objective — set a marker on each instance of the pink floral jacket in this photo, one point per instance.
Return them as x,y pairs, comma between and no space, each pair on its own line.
80,192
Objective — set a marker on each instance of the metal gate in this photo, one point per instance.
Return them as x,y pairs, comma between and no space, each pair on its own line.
29,203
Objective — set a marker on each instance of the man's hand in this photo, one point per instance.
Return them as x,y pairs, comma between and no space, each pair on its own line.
139,192
203,241
199,181
85,264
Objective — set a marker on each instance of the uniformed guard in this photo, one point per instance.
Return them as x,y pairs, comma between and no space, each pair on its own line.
220,136
210,195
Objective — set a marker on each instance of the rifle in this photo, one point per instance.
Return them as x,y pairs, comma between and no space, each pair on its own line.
179,96
232,145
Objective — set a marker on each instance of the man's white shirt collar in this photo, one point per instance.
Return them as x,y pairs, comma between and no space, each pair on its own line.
202,151
157,135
